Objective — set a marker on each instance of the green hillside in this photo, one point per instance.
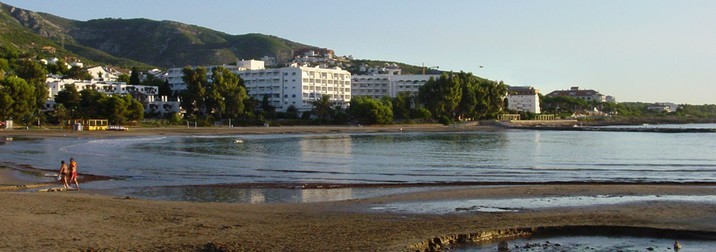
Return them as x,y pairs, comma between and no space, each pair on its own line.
133,42
143,43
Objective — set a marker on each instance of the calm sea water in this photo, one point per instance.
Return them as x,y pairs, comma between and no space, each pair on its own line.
502,156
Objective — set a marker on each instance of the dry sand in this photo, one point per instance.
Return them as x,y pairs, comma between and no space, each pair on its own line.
78,220
183,130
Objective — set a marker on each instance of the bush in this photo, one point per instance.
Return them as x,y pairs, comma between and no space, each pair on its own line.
444,120
420,113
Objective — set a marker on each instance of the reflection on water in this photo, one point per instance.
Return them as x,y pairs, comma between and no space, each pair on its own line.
375,158
522,204
241,195
588,243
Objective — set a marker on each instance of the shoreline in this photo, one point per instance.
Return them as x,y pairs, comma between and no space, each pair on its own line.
7,135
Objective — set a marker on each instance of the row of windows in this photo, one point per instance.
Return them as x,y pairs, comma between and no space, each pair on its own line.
369,84
386,80
370,91
326,88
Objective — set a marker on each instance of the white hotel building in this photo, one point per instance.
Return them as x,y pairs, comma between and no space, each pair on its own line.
289,86
525,99
388,85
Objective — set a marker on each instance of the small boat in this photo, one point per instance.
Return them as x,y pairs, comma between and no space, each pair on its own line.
238,141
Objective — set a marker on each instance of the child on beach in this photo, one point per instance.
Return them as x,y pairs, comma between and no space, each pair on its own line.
64,173
73,173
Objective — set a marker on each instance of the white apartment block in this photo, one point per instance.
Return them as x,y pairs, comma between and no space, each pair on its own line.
388,85
525,99
289,86
175,75
56,85
108,87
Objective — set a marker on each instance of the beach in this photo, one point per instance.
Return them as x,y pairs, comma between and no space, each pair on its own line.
90,221
81,221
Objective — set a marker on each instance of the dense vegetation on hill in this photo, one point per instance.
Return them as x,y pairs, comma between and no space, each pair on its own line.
132,42
145,43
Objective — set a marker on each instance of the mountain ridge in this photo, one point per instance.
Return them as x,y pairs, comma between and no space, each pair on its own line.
157,43
144,43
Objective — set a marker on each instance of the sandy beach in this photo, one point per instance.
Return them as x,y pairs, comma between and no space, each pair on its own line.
84,220
81,221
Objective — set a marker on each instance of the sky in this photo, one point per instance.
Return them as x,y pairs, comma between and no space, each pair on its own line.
635,50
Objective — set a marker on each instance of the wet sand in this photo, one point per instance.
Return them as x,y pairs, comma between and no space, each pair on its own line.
77,220
82,220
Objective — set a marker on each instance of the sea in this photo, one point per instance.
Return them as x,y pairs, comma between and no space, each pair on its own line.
214,168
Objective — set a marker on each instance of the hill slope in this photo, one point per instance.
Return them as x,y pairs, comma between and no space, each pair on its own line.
145,43
159,43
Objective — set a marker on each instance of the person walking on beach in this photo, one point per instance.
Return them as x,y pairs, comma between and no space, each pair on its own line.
73,173
64,173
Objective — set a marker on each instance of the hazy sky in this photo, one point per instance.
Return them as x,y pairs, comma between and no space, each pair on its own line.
635,50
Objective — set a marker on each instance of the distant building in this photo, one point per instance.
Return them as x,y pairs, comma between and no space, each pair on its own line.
295,85
103,73
269,61
107,87
162,106
388,83
667,107
584,94
145,94
524,99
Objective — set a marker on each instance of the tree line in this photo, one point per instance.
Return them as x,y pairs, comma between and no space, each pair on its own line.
448,98
452,96
24,92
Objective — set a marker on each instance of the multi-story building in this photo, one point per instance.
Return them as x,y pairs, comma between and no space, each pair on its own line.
524,99
145,94
388,84
108,87
294,85
584,94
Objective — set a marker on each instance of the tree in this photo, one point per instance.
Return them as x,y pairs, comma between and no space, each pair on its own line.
226,93
60,67
31,71
116,110
442,95
123,78
134,77
268,110
69,98
462,95
367,110
194,95
35,75
135,109
165,89
402,104
78,73
291,112
323,108
16,98
92,104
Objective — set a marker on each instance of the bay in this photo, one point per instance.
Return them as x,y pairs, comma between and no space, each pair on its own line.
381,158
